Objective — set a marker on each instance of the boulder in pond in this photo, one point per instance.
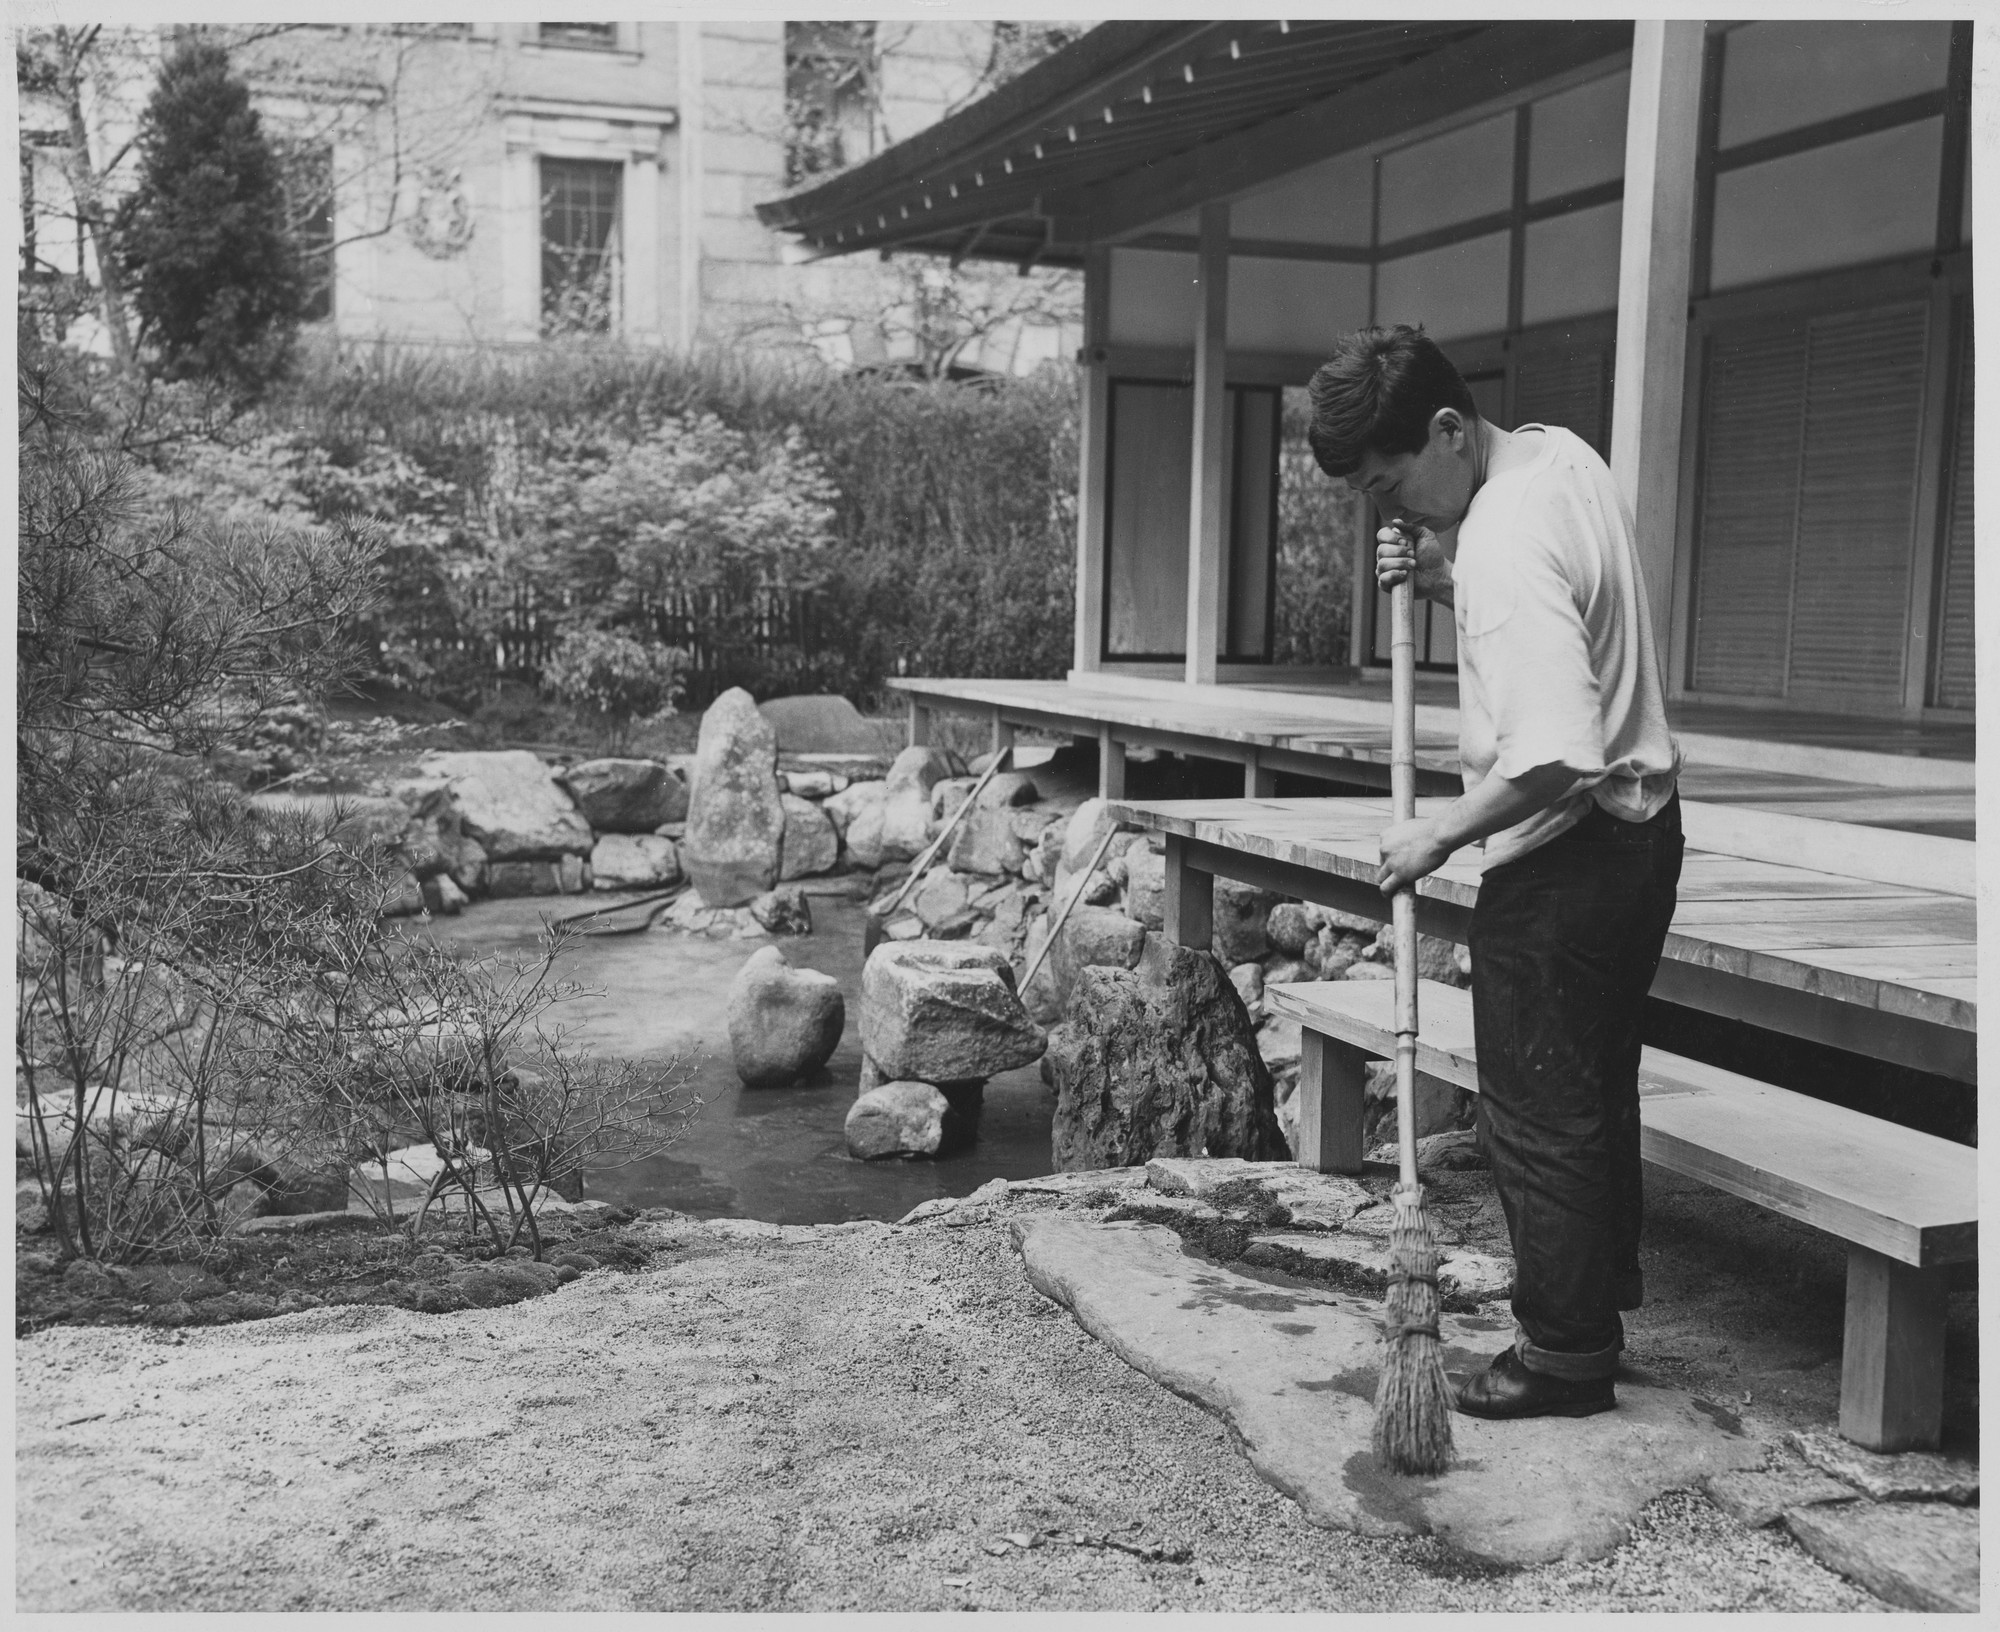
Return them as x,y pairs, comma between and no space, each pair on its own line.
897,1119
856,814
1159,1060
736,818
626,795
783,911
784,1023
944,1011
810,845
633,861
509,803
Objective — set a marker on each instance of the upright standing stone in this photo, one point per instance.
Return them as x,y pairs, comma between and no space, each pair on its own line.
736,817
1160,1060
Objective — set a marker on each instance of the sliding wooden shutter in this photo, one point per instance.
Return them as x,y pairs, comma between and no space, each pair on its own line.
1955,682
1570,388
1858,503
1753,423
1810,444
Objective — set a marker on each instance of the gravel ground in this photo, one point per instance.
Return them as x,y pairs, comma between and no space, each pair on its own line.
850,1418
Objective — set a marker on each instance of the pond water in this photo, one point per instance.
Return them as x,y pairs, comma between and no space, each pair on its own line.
769,1153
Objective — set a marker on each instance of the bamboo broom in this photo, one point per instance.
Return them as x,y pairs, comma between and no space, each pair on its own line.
1413,1399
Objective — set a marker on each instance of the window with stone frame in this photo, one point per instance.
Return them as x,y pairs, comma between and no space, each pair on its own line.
581,249
579,36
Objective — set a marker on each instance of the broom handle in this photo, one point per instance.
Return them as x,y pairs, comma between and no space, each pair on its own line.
1403,905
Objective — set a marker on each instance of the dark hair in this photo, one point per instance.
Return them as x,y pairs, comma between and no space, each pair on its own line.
1378,392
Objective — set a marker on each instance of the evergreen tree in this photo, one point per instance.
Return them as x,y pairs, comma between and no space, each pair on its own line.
217,283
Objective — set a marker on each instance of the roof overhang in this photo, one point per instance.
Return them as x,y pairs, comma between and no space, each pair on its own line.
1138,121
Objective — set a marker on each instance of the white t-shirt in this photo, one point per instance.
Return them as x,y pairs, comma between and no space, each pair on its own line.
1555,644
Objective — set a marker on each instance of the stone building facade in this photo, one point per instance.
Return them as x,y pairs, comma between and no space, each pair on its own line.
513,183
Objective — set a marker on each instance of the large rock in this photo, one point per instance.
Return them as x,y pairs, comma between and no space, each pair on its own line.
1896,1476
1094,938
1289,929
783,911
626,795
942,896
1240,913
736,818
631,861
1915,1555
1146,887
988,841
897,1119
784,1023
824,725
1159,1060
1293,1373
857,815
810,845
906,810
1085,830
510,804
944,1012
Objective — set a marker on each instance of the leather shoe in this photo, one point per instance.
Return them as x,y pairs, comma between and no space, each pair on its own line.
1507,1390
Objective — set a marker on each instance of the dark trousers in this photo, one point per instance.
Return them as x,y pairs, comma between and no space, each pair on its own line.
1564,944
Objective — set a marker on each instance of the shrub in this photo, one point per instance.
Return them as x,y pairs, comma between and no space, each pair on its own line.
855,528
615,681
217,283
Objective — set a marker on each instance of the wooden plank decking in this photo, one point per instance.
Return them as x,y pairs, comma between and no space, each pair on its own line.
1881,967
1875,775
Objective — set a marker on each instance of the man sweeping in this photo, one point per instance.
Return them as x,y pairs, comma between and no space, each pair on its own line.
1569,774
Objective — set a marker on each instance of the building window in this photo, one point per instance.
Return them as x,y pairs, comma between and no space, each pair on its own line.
308,174
580,246
580,36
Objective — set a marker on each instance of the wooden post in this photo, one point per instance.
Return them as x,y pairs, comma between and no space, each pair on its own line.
1333,1103
1110,765
920,724
1003,734
1190,899
1661,129
1259,781
1093,462
1208,497
1892,1362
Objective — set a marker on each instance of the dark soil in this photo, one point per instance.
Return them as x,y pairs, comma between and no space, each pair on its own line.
252,1277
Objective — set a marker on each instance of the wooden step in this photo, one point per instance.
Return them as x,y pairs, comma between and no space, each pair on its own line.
1910,1196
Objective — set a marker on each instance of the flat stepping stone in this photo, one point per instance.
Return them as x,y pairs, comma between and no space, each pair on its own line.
1915,1555
1903,1476
1757,1499
1293,1373
1317,1201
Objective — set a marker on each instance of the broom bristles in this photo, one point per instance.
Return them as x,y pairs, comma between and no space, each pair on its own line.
1413,1398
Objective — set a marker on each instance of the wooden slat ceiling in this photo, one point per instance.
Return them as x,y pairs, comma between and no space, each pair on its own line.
1126,95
